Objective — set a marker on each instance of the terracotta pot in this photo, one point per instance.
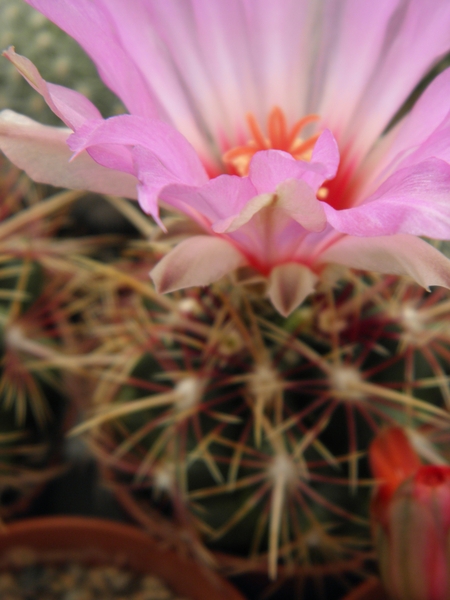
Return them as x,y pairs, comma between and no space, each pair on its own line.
58,539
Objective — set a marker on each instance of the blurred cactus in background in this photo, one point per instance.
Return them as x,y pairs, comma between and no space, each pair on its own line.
30,396
42,289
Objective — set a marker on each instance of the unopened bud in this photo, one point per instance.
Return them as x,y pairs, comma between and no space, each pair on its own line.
411,523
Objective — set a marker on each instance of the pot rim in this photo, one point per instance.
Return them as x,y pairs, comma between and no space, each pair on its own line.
101,540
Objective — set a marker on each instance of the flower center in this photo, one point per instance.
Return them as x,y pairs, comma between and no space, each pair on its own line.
279,137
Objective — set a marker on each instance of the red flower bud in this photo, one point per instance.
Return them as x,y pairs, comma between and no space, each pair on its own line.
411,521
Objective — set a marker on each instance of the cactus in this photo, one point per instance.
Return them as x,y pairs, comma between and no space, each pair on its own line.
42,286
250,431
247,431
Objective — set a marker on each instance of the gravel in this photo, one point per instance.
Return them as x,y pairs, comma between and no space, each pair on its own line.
75,581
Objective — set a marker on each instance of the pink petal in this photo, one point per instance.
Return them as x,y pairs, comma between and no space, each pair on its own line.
43,153
149,148
91,25
397,255
414,200
174,27
281,34
70,106
436,146
172,149
155,175
430,113
148,53
417,36
161,40
223,38
199,260
353,34
423,133
289,285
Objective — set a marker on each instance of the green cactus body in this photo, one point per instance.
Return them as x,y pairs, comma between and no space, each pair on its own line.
251,431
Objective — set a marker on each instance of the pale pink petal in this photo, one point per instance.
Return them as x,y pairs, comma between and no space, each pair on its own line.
271,167
271,237
289,285
223,39
397,255
293,198
221,198
422,133
90,24
199,260
413,200
43,153
431,112
355,35
174,23
436,146
281,35
153,177
70,106
417,36
253,207
297,200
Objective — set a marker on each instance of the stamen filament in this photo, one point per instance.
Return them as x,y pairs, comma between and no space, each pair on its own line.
256,132
277,129
279,137
299,126
304,147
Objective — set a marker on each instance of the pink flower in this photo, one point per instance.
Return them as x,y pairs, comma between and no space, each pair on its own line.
264,121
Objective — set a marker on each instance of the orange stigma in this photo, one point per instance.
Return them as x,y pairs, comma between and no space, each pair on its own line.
279,137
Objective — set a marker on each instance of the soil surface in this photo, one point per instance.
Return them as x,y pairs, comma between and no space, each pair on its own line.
75,581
